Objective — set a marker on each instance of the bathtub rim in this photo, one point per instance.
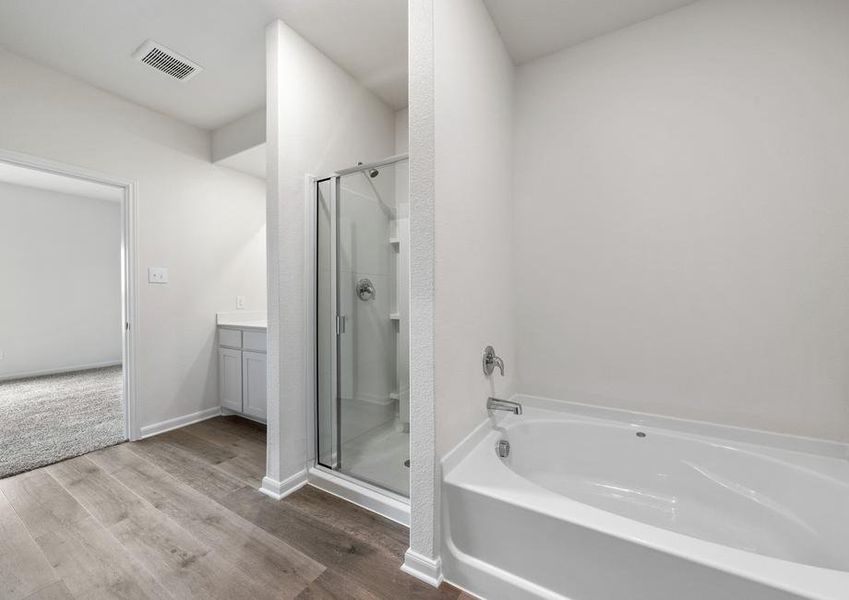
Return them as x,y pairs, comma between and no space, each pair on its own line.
807,581
743,435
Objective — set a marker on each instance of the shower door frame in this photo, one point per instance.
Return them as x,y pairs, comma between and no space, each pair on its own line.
336,450
363,493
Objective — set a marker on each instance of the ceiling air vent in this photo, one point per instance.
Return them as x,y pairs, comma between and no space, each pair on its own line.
166,60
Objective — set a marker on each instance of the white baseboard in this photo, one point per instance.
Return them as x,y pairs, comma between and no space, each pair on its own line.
227,411
71,369
421,567
176,423
280,489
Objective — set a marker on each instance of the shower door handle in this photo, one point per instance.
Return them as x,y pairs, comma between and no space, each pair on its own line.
340,324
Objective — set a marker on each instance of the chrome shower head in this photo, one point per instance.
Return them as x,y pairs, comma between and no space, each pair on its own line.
372,172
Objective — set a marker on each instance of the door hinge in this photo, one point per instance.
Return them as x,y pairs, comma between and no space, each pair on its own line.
340,324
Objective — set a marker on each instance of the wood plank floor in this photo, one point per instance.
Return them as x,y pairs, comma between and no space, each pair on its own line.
179,516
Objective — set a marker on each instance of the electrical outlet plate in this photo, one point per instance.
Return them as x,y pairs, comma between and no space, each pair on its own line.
157,275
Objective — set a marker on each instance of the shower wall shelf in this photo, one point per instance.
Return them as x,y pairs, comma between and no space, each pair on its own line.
395,242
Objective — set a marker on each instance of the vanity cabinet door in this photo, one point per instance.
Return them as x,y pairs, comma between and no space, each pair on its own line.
230,378
253,384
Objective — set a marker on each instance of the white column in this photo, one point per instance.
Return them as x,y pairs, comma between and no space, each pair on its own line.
422,558
287,402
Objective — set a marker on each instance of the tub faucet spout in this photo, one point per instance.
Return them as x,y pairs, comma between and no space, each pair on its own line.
506,405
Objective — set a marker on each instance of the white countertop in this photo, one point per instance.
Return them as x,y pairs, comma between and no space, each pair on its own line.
243,319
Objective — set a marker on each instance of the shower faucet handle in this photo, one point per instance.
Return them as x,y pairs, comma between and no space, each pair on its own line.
490,361
365,289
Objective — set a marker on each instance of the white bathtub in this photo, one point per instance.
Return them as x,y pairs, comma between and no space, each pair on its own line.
585,509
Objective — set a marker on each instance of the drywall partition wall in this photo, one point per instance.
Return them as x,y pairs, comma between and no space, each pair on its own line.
237,136
402,131
461,95
422,557
681,217
473,215
60,256
319,120
206,224
240,145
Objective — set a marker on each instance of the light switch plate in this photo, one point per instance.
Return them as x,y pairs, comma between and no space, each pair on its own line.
240,302
157,275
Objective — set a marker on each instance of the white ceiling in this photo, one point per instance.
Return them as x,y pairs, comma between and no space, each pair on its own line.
34,178
93,40
533,28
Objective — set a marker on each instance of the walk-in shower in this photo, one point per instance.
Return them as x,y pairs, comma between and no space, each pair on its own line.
362,333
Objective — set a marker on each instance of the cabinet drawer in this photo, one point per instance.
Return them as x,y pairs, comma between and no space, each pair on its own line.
232,338
254,340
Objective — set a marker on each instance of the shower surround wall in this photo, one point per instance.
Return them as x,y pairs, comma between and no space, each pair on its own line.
681,217
402,269
367,369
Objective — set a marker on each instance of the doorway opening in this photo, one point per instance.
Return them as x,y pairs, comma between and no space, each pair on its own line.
67,315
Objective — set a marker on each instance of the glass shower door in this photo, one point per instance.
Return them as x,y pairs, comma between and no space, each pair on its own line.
360,428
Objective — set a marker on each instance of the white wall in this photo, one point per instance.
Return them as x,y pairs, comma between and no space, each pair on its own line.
237,136
60,256
205,223
402,130
682,219
319,120
473,215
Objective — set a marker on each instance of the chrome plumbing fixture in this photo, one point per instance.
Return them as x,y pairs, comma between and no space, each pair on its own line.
365,289
490,361
505,405
372,172
502,448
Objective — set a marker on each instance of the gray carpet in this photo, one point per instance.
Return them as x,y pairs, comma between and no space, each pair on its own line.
47,419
